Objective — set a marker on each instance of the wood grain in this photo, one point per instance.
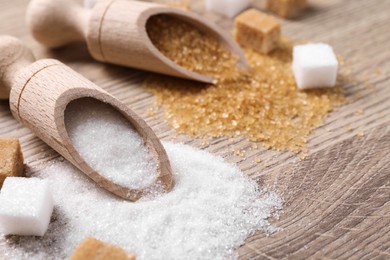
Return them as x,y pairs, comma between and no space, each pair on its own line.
337,199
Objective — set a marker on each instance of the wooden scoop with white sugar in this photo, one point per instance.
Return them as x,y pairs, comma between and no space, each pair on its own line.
115,32
89,127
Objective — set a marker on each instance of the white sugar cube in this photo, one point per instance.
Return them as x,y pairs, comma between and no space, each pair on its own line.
26,206
229,8
314,65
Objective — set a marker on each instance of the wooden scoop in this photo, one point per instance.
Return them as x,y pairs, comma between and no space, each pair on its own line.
115,32
39,93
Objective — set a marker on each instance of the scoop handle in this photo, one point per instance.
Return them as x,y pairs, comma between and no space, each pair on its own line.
56,23
14,55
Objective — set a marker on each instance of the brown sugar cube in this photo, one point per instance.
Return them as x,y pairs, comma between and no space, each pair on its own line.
257,30
11,159
93,249
286,8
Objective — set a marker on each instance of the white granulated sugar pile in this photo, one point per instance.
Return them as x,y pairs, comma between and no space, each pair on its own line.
109,144
211,210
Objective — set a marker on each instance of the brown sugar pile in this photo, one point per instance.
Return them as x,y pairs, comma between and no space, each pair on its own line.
262,104
190,47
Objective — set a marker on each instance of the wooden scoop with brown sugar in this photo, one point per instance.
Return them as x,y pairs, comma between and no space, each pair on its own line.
39,93
115,32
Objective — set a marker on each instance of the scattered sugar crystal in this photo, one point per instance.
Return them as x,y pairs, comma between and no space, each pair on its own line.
26,206
314,65
211,210
264,104
109,144
229,8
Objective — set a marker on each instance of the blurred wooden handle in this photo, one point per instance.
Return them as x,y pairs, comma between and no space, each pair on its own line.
57,23
13,57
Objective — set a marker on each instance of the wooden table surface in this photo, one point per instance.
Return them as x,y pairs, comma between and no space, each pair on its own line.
336,199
